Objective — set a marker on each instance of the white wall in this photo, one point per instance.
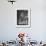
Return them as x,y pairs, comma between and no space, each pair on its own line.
8,28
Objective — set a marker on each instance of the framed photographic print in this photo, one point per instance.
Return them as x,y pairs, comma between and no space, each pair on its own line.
23,17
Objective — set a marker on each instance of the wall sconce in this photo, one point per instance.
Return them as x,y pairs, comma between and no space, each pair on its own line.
12,1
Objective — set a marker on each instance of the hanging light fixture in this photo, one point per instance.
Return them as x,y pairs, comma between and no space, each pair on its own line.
12,1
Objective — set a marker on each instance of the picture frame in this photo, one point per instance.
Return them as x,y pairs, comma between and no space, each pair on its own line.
23,17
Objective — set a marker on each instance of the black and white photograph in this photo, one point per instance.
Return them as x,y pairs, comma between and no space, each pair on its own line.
23,17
